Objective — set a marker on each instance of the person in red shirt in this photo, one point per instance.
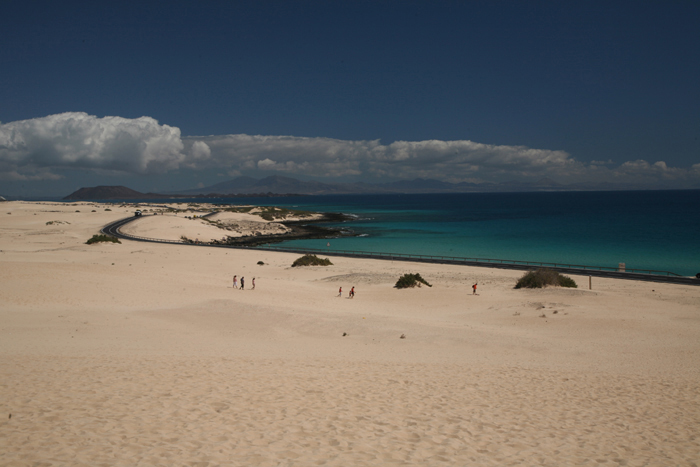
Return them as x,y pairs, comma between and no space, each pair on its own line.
474,287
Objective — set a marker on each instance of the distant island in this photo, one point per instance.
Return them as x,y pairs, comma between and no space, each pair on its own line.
110,192
277,185
122,192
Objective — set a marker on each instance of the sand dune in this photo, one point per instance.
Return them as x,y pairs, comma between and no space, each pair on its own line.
144,354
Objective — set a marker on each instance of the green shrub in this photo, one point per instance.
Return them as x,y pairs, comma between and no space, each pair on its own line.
410,280
542,278
566,281
261,263
311,260
102,238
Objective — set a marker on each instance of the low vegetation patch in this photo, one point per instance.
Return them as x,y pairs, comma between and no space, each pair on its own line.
243,209
542,278
410,280
102,238
311,260
272,213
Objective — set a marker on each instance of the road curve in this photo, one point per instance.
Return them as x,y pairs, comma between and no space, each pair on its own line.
113,229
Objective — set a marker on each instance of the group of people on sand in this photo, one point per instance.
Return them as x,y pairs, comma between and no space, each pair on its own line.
351,294
242,287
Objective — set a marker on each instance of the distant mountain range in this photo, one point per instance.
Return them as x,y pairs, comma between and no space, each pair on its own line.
277,185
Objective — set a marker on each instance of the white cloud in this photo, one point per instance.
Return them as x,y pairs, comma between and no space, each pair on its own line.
29,174
326,157
322,157
200,151
266,164
643,171
82,141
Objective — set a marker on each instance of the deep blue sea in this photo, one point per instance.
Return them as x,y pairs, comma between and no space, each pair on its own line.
658,230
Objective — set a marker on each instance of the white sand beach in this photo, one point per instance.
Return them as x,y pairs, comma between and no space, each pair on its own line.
144,354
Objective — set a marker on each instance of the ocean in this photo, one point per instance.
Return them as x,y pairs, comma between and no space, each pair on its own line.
656,230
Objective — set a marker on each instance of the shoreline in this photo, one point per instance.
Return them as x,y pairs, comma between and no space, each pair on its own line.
305,229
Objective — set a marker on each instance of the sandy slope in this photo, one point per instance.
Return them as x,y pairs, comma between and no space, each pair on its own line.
144,354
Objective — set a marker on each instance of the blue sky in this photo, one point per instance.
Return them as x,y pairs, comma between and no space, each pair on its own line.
344,91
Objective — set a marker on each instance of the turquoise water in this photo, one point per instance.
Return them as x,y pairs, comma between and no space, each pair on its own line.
656,230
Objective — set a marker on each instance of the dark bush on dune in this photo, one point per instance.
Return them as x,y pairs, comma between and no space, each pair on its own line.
542,278
102,238
311,260
566,281
410,280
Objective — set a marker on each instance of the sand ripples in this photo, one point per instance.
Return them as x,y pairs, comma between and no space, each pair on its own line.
274,412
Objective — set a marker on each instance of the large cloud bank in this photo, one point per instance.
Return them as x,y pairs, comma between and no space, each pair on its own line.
31,149
325,157
42,148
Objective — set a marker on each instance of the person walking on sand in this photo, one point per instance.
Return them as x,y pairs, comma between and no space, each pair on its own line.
352,293
253,288
474,288
242,282
235,282
340,292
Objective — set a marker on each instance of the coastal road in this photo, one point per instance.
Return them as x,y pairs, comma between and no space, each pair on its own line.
113,229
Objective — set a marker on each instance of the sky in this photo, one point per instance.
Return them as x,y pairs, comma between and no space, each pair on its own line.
170,95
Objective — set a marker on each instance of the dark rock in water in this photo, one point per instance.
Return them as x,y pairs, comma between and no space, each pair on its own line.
697,275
